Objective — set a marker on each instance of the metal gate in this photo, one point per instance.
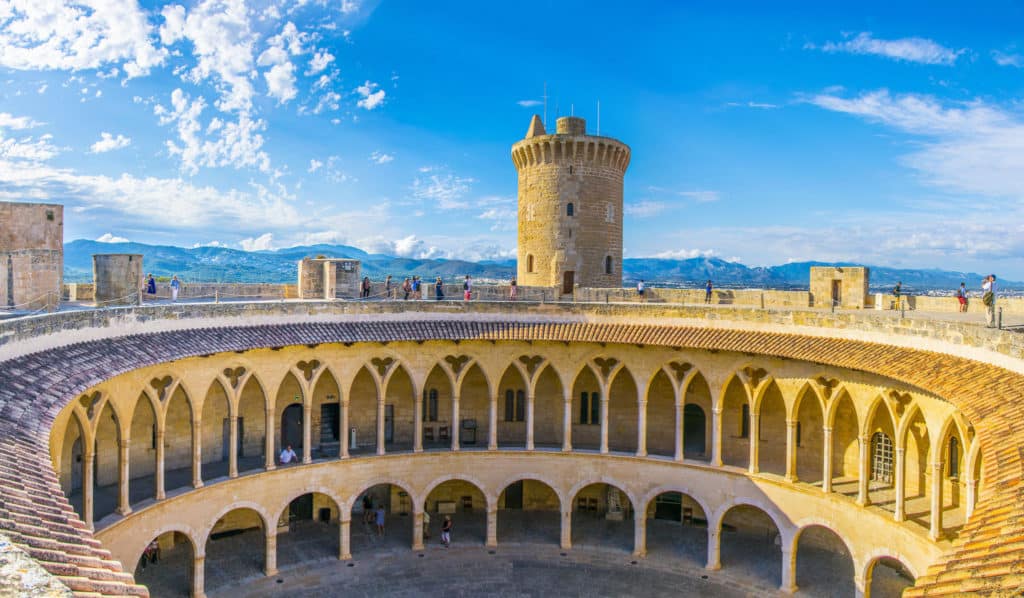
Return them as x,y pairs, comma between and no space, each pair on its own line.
881,458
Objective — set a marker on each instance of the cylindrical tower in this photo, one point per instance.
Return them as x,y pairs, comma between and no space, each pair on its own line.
117,278
570,206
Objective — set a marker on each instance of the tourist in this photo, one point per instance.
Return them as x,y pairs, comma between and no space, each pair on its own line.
379,520
961,297
988,298
426,525
288,455
387,287
640,290
467,289
366,287
897,292
150,285
513,290
406,288
416,284
446,531
175,287
367,508
438,289
707,291
151,554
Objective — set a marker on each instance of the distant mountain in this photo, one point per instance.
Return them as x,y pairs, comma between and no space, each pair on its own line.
221,264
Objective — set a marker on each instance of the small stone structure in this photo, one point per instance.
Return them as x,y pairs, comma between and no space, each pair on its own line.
328,278
117,278
845,286
570,206
31,255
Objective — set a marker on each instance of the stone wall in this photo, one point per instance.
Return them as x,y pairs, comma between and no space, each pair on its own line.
117,279
850,281
754,297
31,255
329,278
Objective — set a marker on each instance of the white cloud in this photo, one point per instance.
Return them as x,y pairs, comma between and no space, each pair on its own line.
261,243
644,209
108,143
966,147
208,244
314,165
446,191
110,238
281,76
701,196
9,121
381,158
759,105
1008,59
409,247
529,103
321,59
349,7
28,148
683,254
370,98
42,89
64,36
909,49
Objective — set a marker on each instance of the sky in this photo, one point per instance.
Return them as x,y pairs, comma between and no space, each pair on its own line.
890,134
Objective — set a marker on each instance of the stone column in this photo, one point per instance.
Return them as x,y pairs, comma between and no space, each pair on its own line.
566,536
567,420
307,433
343,430
791,450
492,527
270,559
88,477
233,446
788,585
826,462
716,437
380,422
530,401
604,422
640,534
199,576
345,536
641,428
901,466
160,494
455,421
417,527
755,441
679,430
935,532
863,472
197,453
714,548
971,498
492,423
268,445
123,501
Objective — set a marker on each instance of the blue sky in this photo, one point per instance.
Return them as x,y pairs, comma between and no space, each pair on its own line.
880,134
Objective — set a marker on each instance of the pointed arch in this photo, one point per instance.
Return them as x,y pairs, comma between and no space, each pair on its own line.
215,416
549,406
513,395
661,415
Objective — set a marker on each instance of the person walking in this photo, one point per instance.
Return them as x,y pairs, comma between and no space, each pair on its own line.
151,285
446,531
417,285
988,298
379,519
897,292
366,287
513,290
707,291
175,287
961,297
438,289
467,289
640,290
387,287
406,288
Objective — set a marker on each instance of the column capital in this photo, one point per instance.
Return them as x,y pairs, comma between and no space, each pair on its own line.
717,410
900,450
791,423
826,429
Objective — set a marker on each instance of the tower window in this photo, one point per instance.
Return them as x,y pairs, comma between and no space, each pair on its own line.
609,213
608,264
569,209
529,263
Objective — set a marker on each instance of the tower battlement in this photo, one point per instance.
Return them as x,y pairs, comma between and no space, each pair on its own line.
570,206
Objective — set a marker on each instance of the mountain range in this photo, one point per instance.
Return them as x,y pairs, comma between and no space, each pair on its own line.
222,264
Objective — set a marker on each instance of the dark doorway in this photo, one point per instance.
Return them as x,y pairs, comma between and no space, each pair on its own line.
567,282
837,292
389,423
329,423
693,429
291,427
301,508
76,464
514,495
669,506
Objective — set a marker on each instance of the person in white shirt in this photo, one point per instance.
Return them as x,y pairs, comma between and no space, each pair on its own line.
288,455
175,287
640,289
989,286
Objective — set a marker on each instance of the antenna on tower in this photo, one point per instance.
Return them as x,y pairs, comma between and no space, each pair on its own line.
599,118
545,104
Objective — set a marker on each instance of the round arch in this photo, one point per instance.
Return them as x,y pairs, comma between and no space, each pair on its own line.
135,553
449,477
280,507
528,510
244,504
825,550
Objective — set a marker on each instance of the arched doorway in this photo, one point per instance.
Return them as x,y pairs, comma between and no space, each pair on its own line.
678,527
325,429
661,416
735,425
166,567
475,410
881,454
235,549
290,401
396,503
751,545
889,577
694,430
307,530
466,504
291,428
602,516
529,512
824,566
437,410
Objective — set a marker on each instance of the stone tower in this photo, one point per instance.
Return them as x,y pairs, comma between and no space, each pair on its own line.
570,206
